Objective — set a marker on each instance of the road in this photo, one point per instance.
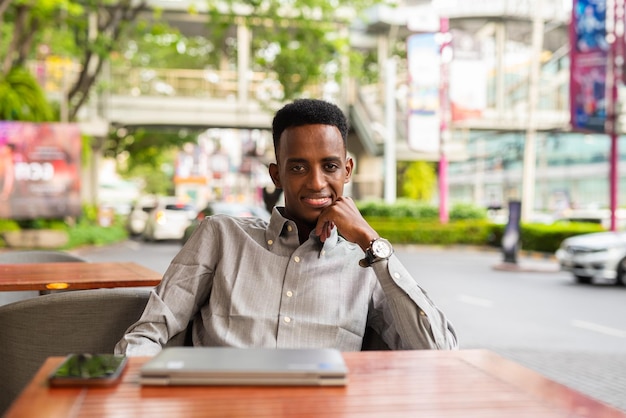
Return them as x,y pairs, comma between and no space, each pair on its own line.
534,314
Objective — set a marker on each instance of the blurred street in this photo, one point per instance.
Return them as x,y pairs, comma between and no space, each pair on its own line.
534,314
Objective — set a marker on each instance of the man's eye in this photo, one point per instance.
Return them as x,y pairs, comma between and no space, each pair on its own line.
332,167
297,168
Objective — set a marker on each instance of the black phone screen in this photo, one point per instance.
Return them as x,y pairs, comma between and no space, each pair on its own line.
86,367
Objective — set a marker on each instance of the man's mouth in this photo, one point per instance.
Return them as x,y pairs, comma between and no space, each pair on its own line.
317,202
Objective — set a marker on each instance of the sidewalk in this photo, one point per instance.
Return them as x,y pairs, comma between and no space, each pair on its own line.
601,376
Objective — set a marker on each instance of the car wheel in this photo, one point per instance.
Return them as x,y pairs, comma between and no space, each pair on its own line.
620,279
583,279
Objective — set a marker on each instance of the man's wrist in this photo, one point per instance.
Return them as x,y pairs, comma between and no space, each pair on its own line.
378,249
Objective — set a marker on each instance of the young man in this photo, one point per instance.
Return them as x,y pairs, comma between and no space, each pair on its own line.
315,276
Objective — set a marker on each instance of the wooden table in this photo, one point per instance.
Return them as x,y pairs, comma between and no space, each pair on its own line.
74,276
433,384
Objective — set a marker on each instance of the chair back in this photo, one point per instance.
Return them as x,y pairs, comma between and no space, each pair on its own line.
81,321
38,256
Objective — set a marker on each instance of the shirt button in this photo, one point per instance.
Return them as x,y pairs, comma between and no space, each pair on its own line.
323,252
289,228
287,319
270,242
296,259
396,275
422,313
289,293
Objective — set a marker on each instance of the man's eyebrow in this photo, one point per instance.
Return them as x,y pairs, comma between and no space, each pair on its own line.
304,160
296,160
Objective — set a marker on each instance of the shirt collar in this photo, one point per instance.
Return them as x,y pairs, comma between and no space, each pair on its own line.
278,223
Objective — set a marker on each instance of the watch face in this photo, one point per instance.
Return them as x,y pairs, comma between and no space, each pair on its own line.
381,248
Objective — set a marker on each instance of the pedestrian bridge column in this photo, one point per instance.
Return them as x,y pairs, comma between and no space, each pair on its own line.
243,60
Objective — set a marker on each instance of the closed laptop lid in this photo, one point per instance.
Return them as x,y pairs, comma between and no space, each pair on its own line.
245,366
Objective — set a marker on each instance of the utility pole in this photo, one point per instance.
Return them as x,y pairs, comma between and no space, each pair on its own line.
391,129
528,176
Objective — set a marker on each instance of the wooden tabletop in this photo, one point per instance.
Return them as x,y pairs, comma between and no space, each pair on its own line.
74,276
433,384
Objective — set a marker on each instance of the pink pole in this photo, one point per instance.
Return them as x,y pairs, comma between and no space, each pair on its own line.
616,54
444,105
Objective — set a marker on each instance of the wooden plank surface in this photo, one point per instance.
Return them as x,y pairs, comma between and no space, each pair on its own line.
74,276
465,383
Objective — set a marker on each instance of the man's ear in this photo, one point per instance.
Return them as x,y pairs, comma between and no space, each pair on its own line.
273,169
349,168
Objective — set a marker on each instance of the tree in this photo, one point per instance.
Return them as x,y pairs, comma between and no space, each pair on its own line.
21,97
418,179
91,30
303,42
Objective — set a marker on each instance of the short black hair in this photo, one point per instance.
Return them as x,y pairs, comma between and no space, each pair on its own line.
308,112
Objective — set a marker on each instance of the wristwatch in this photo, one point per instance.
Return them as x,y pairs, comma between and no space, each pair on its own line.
379,249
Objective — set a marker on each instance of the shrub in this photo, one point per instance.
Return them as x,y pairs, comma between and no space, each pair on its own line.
461,211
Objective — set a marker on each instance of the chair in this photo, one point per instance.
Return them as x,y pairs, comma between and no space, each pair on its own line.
81,321
372,341
38,256
32,256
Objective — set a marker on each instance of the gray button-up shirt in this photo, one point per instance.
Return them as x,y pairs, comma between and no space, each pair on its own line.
247,283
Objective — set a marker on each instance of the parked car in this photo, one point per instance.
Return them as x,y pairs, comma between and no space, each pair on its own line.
227,208
596,256
138,215
168,220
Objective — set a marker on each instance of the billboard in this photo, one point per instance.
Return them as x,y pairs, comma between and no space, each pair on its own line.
468,77
39,170
423,53
588,69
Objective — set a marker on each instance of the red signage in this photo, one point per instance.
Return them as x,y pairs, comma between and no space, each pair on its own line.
39,170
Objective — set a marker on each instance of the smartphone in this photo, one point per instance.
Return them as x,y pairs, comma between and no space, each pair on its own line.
89,370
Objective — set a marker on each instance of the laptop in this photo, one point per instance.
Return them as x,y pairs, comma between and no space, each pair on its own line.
245,366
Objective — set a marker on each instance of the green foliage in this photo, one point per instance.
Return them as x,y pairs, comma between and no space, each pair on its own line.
7,225
21,98
412,222
83,231
416,231
88,233
402,208
544,238
467,211
148,154
283,34
37,29
410,208
547,238
56,224
417,179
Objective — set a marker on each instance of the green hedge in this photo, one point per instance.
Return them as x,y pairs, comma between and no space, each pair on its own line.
85,230
415,231
534,237
405,222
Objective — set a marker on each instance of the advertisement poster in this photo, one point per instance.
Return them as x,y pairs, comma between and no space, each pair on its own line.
39,170
589,56
468,77
423,100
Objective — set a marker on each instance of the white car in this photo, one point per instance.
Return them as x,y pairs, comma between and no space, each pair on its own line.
138,216
168,220
599,256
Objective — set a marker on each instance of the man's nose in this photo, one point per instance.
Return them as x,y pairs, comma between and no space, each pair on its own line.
317,179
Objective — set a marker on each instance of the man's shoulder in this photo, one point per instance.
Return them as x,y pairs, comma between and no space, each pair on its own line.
229,221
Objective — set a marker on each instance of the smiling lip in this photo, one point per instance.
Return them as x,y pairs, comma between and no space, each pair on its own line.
317,202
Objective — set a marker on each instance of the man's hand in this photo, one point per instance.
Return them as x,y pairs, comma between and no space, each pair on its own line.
344,214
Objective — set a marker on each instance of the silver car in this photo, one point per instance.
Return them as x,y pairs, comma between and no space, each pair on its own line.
599,256
168,220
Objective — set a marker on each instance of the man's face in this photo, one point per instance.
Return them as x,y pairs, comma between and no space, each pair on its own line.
312,169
